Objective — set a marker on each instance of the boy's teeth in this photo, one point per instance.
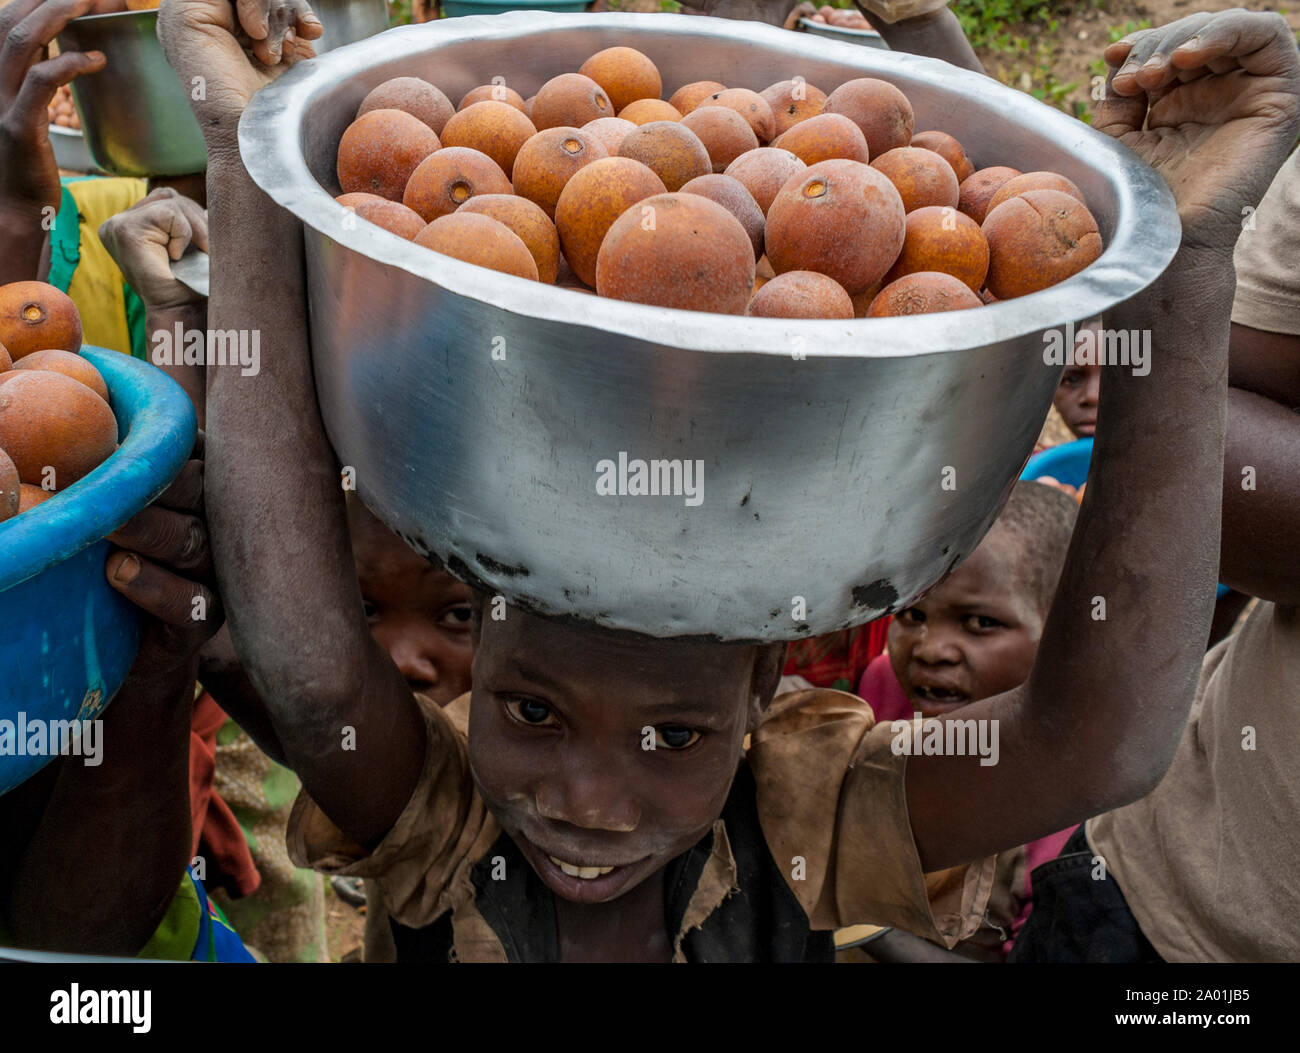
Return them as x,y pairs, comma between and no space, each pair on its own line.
586,873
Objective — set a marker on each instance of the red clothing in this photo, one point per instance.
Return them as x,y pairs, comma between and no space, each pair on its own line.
216,833
824,661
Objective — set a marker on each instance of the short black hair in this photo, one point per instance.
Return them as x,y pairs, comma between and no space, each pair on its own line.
1037,523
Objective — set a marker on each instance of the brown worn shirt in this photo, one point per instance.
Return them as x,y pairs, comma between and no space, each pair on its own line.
830,800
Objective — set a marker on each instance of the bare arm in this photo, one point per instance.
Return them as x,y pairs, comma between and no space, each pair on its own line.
938,35
1096,724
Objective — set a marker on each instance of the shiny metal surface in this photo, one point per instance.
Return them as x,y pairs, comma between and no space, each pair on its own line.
70,151
136,114
192,270
862,37
474,407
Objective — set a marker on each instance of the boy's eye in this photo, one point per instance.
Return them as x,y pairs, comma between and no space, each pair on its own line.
675,737
910,616
531,711
456,617
981,623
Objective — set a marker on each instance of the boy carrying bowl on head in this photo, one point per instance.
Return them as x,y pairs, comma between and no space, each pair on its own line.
532,824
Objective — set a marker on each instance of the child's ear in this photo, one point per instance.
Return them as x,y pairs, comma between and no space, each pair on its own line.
769,660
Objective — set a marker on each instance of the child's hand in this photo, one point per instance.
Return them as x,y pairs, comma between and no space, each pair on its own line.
207,48
29,176
164,566
1212,102
145,238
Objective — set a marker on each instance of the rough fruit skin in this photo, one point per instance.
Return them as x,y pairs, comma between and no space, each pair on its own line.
48,419
1017,185
494,93
480,240
788,109
30,496
10,488
925,292
380,150
533,227
570,100
725,133
826,137
839,218
625,73
675,154
5,361
696,257
753,107
801,294
949,149
976,191
548,160
763,172
922,177
611,131
1037,239
494,128
393,216
878,108
417,97
590,202
70,365
689,96
732,195
646,111
35,316
446,180
945,240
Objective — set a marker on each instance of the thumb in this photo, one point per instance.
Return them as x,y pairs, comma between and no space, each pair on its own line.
1118,115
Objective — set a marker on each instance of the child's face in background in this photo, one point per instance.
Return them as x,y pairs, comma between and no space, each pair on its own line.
1076,399
973,636
417,612
559,728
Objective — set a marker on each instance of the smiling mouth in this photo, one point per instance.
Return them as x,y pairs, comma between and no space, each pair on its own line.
585,873
940,696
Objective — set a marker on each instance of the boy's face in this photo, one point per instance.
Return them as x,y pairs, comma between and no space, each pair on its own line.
561,723
973,636
417,612
1076,399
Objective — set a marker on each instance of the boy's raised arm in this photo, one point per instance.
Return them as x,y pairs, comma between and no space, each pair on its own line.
1213,102
274,501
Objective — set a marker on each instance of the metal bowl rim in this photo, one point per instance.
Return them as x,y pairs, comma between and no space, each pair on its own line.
270,127
805,21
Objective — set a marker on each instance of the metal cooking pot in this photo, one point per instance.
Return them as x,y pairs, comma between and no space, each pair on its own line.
846,465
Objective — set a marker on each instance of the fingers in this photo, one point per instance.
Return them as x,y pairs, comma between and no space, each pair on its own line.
174,539
276,27
306,25
1258,42
1146,66
186,491
1118,114
197,217
25,42
173,600
31,108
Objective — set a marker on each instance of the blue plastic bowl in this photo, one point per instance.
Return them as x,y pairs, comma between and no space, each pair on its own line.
454,8
69,638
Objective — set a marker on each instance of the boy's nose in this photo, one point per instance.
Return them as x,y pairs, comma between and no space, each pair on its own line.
590,800
1091,388
936,647
411,657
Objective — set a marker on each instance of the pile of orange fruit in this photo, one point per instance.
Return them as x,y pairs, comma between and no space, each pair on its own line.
790,202
55,422
61,110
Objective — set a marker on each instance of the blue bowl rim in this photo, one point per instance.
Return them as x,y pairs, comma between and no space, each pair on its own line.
159,424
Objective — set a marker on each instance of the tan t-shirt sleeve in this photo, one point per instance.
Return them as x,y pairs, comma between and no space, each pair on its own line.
891,11
1267,258
833,806
422,865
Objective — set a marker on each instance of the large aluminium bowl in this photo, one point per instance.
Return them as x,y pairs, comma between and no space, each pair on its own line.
69,637
846,465
136,113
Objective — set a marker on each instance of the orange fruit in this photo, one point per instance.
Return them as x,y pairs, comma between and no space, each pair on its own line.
977,190
50,421
646,111
533,227
763,172
724,132
30,496
732,195
625,74
493,128
10,488
5,361
1017,185
35,316
922,177
839,218
922,293
446,180
393,216
826,137
801,294
380,150
675,154
480,240
949,149
570,100
792,101
70,365
1037,239
878,108
591,200
689,96
417,97
693,255
750,105
493,93
945,240
611,131
548,160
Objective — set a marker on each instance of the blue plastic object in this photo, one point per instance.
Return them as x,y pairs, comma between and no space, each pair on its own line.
1069,464
454,8
68,637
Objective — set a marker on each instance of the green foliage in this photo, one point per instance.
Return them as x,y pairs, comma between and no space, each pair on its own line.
399,13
